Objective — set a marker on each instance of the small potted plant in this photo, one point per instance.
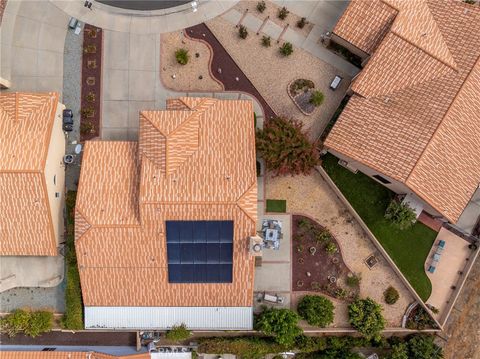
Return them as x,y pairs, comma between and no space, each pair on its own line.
286,49
242,32
283,13
261,6
266,41
302,22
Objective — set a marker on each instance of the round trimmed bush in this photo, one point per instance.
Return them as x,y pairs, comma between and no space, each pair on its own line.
391,295
316,310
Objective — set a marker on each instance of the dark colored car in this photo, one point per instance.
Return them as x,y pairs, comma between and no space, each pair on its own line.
67,120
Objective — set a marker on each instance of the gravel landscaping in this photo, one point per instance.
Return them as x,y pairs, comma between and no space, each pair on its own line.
195,75
311,196
271,73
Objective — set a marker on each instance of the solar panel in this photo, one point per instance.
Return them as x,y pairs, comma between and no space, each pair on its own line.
199,251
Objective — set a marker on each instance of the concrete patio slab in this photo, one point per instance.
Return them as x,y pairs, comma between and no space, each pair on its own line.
141,85
274,277
452,261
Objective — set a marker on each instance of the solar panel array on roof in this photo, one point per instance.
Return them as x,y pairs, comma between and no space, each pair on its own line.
199,251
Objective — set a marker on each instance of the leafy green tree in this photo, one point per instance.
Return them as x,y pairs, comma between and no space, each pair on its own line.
178,333
285,148
399,351
316,310
400,214
365,315
28,322
317,98
279,323
182,56
423,347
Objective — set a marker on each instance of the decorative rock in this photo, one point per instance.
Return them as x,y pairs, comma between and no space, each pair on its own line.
237,79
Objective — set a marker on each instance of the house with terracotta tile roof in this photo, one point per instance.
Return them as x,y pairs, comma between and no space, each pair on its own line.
32,177
162,225
413,121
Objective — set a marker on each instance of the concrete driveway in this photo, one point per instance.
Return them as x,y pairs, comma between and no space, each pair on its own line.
32,45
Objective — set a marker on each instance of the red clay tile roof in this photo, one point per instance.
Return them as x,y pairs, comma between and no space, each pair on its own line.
26,122
196,163
414,100
66,355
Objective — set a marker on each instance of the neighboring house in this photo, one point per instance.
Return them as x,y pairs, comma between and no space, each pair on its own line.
32,177
51,352
162,226
413,122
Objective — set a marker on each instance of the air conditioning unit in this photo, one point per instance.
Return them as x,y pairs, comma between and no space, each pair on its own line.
256,246
348,166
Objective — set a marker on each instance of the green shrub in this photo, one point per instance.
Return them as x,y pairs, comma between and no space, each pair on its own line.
283,13
331,248
73,316
285,148
40,322
401,215
316,310
242,347
365,315
279,323
266,41
419,319
391,295
423,347
399,351
286,49
261,6
182,56
323,236
178,333
317,98
354,280
310,344
242,32
31,323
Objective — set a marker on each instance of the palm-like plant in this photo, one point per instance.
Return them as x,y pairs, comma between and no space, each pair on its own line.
182,56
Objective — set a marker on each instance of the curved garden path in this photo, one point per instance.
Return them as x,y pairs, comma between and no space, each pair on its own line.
230,71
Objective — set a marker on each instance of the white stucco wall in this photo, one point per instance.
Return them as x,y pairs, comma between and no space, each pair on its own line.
394,185
55,174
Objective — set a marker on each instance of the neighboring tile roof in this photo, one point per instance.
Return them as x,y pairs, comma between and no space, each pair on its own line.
415,100
26,122
364,23
67,355
196,163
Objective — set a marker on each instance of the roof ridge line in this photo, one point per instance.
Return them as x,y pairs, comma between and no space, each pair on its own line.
142,113
477,62
242,196
426,52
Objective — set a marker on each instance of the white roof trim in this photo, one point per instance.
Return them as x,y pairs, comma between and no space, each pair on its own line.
195,318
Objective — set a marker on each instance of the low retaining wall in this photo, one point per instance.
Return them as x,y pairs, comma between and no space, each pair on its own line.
375,241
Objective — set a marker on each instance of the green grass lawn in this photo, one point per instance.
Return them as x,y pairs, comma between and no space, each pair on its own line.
408,248
276,205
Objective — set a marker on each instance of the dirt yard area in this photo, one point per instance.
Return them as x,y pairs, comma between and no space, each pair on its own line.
463,325
310,195
195,75
270,73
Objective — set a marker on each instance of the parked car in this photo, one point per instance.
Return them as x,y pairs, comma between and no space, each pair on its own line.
67,120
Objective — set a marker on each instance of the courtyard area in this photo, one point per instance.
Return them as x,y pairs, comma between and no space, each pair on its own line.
408,248
311,196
